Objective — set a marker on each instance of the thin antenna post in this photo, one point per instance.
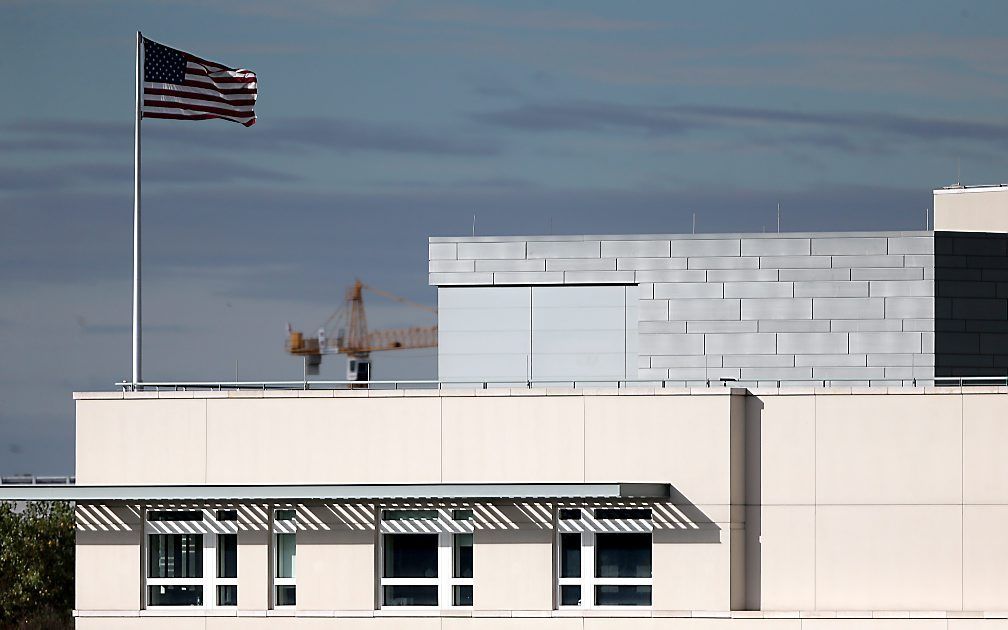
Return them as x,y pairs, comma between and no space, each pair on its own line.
778,217
694,222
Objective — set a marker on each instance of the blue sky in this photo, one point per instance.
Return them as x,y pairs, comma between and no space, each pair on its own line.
381,123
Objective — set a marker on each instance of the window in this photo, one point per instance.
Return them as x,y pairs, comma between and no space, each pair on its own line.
426,558
284,557
227,569
604,557
192,559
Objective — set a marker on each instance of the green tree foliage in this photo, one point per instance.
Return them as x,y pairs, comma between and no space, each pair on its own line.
36,565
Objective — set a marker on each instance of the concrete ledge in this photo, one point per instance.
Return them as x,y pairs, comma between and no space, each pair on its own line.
98,395
646,388
614,612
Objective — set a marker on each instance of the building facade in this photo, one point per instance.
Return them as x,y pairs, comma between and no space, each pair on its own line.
782,431
476,507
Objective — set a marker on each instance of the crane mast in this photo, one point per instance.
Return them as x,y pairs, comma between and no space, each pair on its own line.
353,337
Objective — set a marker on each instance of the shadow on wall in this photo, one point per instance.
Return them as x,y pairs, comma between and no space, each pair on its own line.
753,500
971,304
681,521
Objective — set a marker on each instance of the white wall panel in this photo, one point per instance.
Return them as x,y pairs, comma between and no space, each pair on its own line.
513,334
484,333
579,332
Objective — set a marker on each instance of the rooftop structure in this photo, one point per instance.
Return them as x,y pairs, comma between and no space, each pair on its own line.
888,308
627,432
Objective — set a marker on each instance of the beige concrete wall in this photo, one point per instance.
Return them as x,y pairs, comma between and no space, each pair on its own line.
335,564
985,497
253,568
519,439
680,439
479,437
868,500
691,572
513,569
426,439
123,441
309,440
878,501
971,209
107,558
891,557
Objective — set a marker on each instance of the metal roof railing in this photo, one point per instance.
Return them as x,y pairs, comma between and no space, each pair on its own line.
37,480
939,381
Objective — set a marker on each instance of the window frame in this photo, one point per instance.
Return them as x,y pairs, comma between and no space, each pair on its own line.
588,527
446,528
286,526
210,529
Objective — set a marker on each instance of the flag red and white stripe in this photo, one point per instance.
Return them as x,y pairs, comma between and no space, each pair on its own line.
181,86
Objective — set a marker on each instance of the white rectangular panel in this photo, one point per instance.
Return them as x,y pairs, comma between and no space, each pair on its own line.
484,333
579,332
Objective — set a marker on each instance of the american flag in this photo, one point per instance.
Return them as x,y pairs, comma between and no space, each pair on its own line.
184,87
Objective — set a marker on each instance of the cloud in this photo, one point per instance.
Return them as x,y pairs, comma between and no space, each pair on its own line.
439,13
587,116
193,170
523,18
47,178
331,134
294,242
339,135
906,126
64,134
854,132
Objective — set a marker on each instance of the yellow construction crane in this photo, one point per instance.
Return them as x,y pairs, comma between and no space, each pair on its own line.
353,338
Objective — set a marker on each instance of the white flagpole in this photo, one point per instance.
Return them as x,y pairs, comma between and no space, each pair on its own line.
137,375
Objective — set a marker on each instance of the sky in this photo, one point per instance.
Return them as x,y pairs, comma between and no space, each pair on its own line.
382,123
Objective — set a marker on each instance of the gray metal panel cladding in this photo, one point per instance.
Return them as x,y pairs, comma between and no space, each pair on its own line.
780,296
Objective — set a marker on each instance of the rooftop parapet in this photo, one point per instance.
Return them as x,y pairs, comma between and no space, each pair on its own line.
971,209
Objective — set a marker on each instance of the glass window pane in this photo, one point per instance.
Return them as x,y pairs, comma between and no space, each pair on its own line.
462,555
227,555
175,515
284,515
286,596
227,515
570,514
462,515
409,515
624,513
227,595
570,595
406,595
286,555
570,555
623,555
462,595
411,555
175,555
623,595
175,595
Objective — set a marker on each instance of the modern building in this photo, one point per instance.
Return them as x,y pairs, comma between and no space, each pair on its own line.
776,431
